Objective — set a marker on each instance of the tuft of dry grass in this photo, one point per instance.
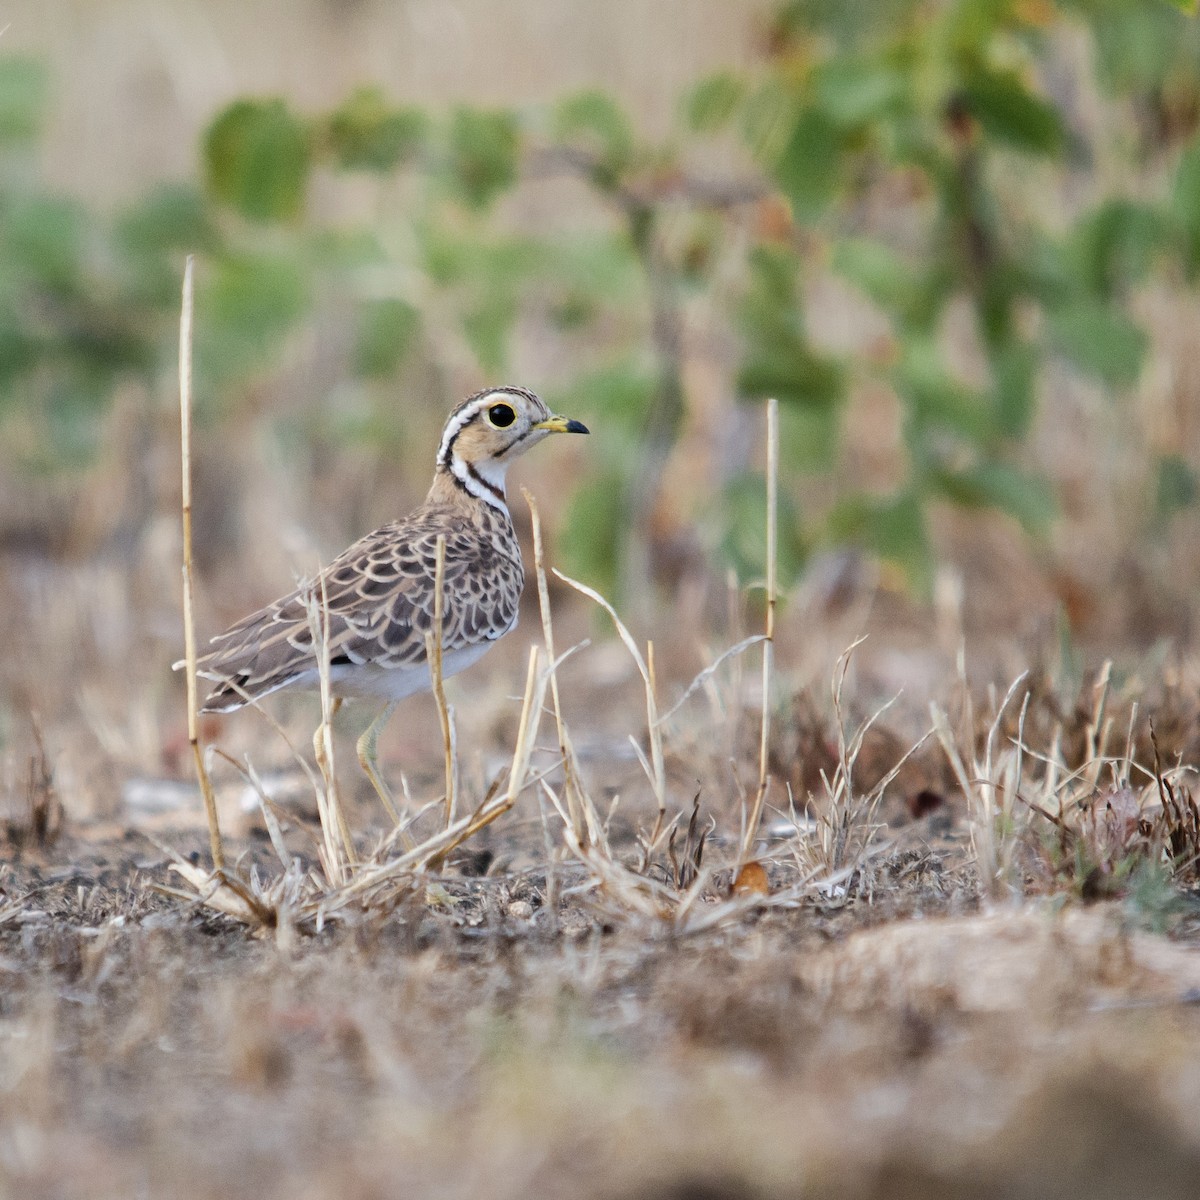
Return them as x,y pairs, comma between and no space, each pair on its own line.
37,820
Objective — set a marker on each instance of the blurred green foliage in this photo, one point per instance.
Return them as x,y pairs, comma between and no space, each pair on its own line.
933,157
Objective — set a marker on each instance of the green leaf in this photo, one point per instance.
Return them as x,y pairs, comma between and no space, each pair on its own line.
771,306
854,92
935,399
387,331
1177,486
344,250
710,105
590,270
73,408
809,169
1113,246
483,154
24,88
877,271
172,217
155,235
366,133
491,276
808,436
1140,46
43,241
595,120
1008,111
1014,382
1185,203
256,158
767,118
1046,269
20,351
998,485
778,360
1100,341
793,374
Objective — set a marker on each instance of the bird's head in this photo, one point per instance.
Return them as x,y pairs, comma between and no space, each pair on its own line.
488,430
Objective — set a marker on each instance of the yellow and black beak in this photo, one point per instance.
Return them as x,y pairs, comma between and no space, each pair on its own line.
562,425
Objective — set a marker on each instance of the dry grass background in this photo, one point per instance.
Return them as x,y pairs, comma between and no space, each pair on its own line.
913,1030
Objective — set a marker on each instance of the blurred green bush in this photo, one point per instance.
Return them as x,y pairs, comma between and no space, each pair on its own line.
928,155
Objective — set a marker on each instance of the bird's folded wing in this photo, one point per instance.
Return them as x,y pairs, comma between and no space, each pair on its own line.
373,604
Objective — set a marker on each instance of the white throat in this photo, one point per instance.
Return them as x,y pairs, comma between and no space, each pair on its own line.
484,479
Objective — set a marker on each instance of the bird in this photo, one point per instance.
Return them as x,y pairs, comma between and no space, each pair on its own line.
376,600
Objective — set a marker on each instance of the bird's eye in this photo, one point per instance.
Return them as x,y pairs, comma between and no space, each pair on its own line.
501,415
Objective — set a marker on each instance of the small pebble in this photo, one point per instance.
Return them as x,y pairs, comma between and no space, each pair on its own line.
520,910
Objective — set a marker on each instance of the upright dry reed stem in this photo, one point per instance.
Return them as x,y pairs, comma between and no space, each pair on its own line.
768,651
433,652
336,831
531,711
189,625
1100,726
576,808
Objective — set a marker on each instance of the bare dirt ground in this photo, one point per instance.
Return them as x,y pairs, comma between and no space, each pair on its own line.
458,1049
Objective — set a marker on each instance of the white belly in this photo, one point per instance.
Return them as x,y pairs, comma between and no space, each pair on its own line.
396,683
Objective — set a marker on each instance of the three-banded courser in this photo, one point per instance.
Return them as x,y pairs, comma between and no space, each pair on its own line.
376,599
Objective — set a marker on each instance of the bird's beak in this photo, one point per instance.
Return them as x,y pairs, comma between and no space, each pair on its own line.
561,425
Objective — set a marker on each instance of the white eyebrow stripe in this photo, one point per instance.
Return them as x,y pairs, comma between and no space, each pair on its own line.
456,425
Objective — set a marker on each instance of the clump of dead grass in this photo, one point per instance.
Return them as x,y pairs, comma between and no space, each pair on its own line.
35,813
1068,813
838,852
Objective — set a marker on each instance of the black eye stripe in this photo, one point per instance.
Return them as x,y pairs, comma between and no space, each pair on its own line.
501,415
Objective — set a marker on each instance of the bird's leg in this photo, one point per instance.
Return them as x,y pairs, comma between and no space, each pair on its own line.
368,748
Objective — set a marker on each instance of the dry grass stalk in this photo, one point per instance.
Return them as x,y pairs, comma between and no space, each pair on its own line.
654,766
266,806
703,678
433,652
1100,726
672,906
611,886
189,624
1097,839
768,650
992,790
42,819
294,900
375,882
581,814
337,844
847,826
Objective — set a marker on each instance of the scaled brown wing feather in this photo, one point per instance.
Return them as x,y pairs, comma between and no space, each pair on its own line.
379,600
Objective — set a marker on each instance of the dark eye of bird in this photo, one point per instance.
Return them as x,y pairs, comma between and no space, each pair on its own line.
501,415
